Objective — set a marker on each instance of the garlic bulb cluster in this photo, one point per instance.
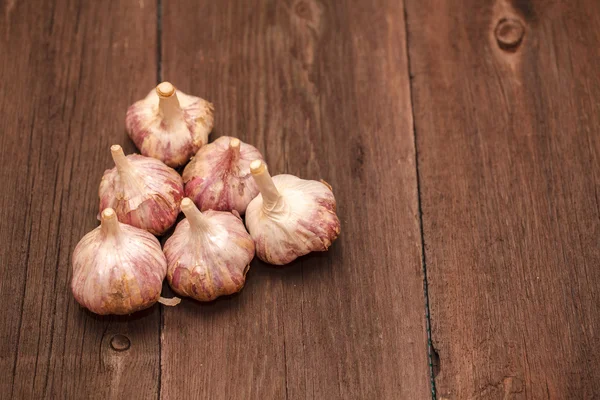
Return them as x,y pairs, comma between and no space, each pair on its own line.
209,253
117,268
290,217
169,126
218,177
143,191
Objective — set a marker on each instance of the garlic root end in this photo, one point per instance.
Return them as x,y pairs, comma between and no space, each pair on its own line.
172,302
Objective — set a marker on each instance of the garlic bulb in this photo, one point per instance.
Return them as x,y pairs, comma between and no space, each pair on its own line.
291,217
209,253
117,268
169,126
218,177
143,191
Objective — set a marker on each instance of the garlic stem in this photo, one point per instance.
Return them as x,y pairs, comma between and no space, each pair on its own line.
234,145
110,223
197,221
168,104
265,184
119,158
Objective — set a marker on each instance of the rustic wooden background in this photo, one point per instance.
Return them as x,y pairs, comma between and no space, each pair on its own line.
462,141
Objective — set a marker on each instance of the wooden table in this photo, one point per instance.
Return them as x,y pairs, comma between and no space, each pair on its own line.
462,139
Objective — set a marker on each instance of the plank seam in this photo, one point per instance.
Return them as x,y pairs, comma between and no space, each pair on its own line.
430,349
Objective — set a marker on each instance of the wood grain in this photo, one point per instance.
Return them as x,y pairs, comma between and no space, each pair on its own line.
321,88
69,70
508,153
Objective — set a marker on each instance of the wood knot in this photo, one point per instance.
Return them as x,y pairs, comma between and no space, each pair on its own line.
509,33
302,10
120,343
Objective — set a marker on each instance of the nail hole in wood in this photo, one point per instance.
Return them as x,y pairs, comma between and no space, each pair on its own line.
120,343
509,33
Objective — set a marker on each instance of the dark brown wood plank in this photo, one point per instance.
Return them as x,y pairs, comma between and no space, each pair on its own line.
321,88
69,70
509,145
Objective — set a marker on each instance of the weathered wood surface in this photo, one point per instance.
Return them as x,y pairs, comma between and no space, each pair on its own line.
296,79
321,88
506,119
508,150
69,70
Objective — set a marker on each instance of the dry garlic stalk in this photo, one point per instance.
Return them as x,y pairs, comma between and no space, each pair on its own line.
218,177
143,191
290,217
169,126
117,268
209,254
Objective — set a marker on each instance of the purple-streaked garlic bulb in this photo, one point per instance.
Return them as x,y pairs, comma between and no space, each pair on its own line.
143,191
219,178
290,217
169,126
209,253
117,268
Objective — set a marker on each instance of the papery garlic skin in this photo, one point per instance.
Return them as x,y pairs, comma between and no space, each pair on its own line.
143,191
219,178
291,217
117,268
169,125
209,254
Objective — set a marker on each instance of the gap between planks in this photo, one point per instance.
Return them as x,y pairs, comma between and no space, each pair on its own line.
431,353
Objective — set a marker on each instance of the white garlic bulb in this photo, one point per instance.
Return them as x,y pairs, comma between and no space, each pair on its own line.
143,191
218,177
290,217
169,126
209,253
117,268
